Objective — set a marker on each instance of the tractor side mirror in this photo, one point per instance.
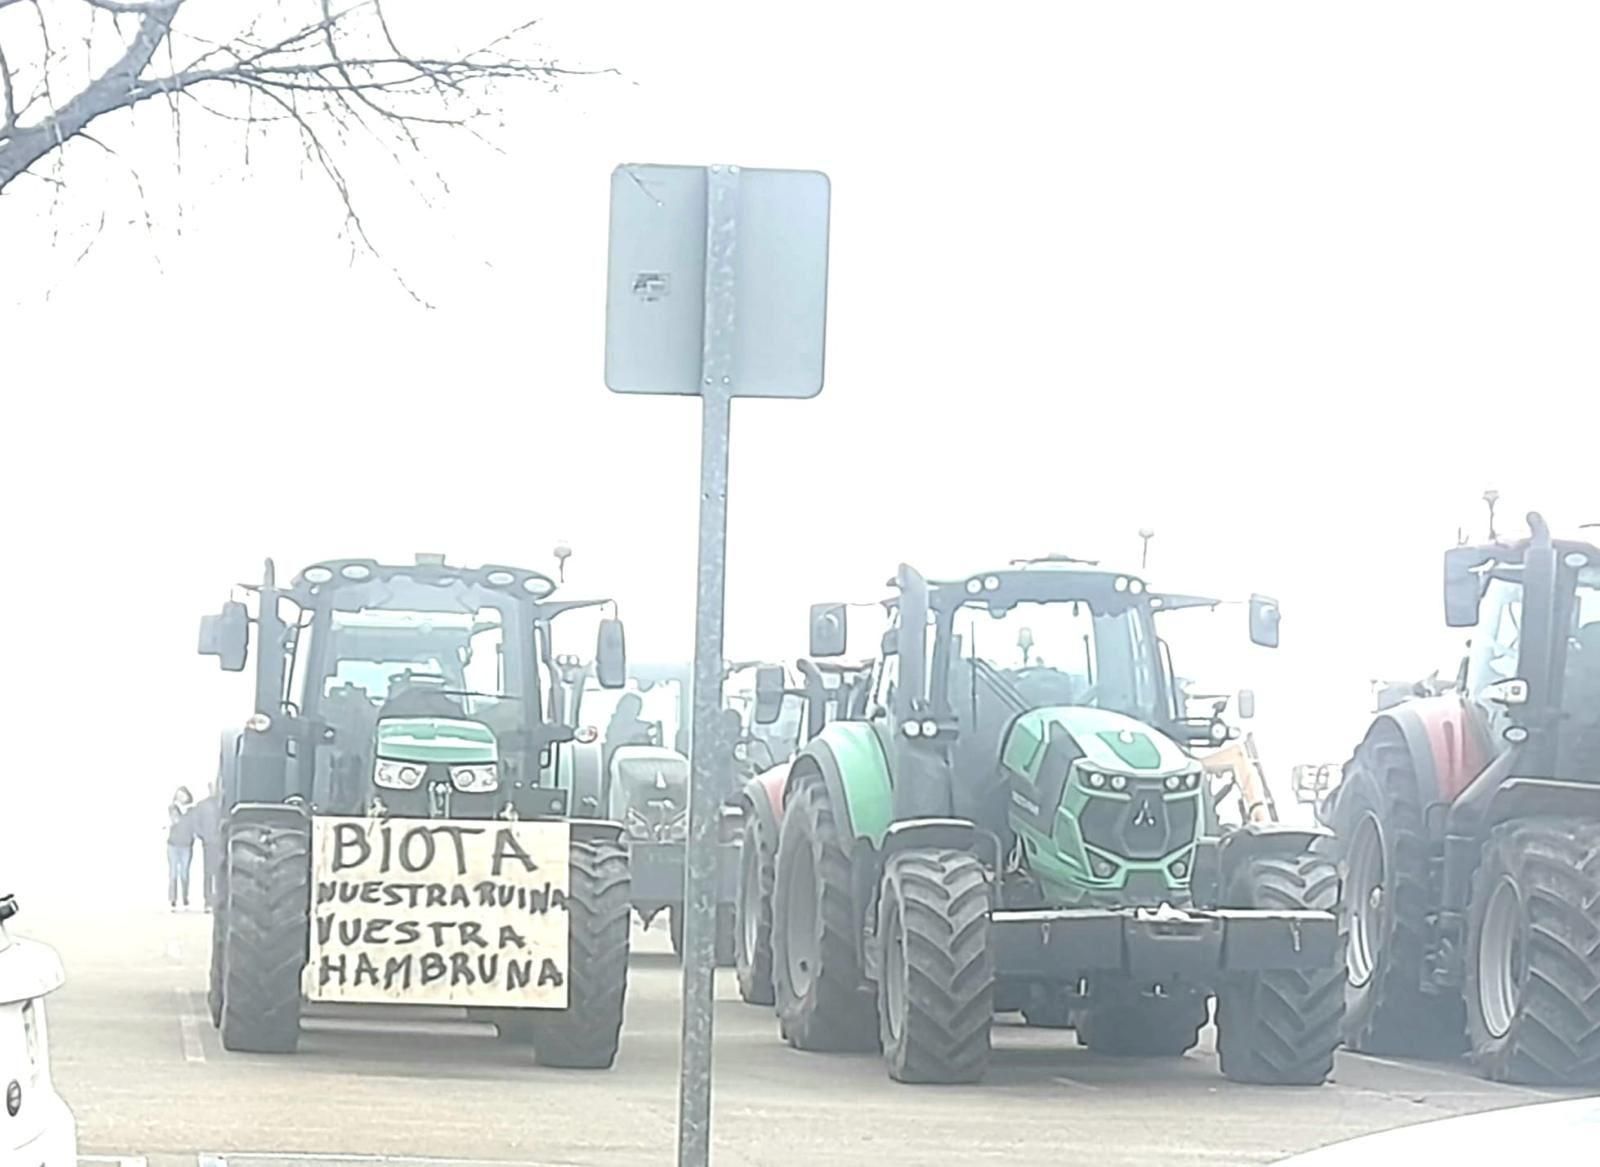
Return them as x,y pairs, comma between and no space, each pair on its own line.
1463,590
226,636
1264,621
828,628
1245,704
769,694
611,655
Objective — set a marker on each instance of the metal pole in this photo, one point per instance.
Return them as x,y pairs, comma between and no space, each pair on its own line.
710,751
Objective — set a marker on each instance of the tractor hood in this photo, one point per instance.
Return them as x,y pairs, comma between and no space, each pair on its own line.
1108,741
449,740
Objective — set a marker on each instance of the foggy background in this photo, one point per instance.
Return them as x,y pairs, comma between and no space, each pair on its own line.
1291,285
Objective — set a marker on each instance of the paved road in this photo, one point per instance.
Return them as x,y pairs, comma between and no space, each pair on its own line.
136,1056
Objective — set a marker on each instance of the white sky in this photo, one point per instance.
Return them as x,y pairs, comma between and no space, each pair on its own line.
1291,284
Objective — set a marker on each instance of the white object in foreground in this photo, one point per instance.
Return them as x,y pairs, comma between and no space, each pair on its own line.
36,1127
1553,1133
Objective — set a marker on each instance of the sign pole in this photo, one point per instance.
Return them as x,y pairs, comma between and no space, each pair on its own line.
710,752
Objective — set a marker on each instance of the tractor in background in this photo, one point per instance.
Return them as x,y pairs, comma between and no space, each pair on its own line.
636,742
1001,816
400,711
1468,830
785,715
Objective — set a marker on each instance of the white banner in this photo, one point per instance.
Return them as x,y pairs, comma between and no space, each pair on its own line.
439,912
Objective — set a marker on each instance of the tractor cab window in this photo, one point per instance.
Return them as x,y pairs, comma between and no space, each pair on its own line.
1060,653
1498,638
1579,736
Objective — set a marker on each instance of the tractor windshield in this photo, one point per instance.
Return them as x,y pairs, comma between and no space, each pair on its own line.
1065,653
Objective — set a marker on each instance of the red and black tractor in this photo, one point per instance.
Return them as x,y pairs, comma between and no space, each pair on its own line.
1467,827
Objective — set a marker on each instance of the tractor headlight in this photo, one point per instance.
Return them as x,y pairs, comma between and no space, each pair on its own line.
1119,782
1096,781
1192,781
397,775
1173,782
475,779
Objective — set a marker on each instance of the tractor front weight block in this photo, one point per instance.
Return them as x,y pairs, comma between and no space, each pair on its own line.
1195,946
658,870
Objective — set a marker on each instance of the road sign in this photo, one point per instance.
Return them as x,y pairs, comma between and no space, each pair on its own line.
717,288
774,273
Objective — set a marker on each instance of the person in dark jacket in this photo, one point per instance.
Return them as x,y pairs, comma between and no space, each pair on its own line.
180,846
207,815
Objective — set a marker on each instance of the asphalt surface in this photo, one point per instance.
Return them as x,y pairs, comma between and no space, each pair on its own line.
136,1057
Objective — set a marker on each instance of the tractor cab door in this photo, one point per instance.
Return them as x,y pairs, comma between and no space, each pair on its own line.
1495,656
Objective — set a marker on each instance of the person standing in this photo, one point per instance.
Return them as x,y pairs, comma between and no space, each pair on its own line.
207,816
180,846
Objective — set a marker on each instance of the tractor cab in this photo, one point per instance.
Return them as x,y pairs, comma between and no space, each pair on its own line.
1531,679
419,691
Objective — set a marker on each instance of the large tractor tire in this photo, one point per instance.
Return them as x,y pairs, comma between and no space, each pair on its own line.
936,982
584,1035
215,977
1281,1027
752,934
1128,1026
267,930
1533,945
726,924
823,1002
1382,853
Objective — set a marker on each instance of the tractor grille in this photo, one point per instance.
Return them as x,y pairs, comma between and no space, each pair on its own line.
1143,826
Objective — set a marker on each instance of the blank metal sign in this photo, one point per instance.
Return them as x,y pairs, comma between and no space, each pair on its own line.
656,279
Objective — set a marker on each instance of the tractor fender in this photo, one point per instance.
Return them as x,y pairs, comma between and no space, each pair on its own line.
1239,847
1445,753
227,780
288,815
762,797
946,834
849,757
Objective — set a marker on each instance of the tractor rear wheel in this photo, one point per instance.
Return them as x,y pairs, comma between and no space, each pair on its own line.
1144,1026
752,935
936,973
1382,853
214,980
266,925
726,925
822,1000
1280,1027
584,1035
1533,944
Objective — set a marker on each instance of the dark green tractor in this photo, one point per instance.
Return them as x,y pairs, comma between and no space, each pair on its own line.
1011,822
409,719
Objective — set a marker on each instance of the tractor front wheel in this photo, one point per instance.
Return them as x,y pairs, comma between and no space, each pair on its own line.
266,930
752,933
584,1035
936,975
1382,851
1280,1027
1533,966
822,1001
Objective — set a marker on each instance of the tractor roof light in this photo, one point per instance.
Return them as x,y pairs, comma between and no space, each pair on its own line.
356,571
1120,584
318,574
500,578
974,586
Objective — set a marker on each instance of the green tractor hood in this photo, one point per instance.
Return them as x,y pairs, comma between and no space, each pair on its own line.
435,739
1113,742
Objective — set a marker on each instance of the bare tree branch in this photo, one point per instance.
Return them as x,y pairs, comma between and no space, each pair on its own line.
339,75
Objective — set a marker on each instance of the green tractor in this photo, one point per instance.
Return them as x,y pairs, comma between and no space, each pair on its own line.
406,819
1008,822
